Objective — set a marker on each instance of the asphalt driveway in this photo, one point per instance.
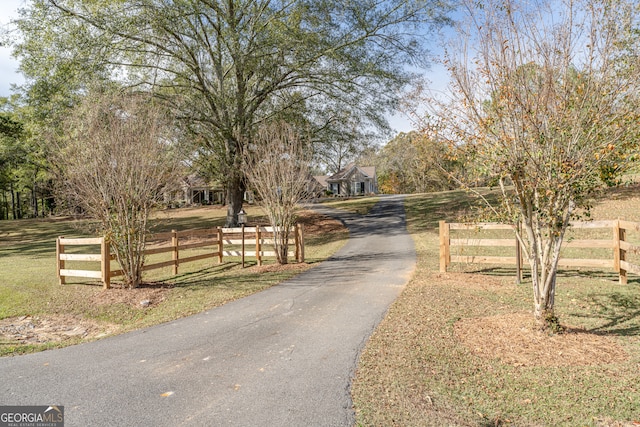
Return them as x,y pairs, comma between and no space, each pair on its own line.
282,357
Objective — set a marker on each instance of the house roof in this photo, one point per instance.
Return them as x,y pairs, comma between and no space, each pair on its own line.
196,181
369,171
322,179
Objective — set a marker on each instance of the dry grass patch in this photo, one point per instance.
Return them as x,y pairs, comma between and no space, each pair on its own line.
619,203
516,339
462,349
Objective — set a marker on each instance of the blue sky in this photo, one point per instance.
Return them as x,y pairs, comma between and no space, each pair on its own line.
9,74
8,65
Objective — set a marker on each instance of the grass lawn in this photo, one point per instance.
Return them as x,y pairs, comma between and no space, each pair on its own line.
460,348
37,313
457,348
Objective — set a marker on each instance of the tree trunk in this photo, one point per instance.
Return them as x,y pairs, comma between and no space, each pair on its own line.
5,206
13,201
235,199
543,307
281,243
18,206
543,255
34,201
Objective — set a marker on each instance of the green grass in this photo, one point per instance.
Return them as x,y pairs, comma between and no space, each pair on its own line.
416,371
29,286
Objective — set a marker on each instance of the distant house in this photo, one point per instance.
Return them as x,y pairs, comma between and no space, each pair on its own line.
351,181
314,187
322,185
194,190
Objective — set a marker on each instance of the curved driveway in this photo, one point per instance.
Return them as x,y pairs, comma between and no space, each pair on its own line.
282,357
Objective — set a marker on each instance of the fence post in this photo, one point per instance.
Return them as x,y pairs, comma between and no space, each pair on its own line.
620,235
299,231
258,245
60,262
623,257
616,246
105,265
176,253
242,254
445,255
296,242
220,245
518,254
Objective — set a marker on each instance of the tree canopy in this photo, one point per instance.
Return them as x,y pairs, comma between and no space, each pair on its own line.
227,67
414,163
22,166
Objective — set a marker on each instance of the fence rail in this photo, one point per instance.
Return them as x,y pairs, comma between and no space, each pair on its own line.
618,243
220,242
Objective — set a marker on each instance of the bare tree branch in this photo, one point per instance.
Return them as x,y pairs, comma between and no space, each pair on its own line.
115,163
277,167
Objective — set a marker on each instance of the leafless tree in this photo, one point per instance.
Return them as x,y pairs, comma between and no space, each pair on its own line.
115,163
542,95
277,167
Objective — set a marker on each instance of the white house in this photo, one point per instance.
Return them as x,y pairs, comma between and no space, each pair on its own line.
352,181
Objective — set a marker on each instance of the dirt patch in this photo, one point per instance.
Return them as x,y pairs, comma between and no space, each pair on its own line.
515,339
146,295
34,330
476,282
58,328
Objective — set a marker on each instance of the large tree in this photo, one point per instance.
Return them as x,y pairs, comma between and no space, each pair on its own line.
543,95
226,66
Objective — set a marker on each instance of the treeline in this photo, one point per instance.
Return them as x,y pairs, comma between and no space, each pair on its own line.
414,163
25,187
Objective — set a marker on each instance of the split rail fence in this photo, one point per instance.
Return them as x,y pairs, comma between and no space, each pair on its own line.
216,243
452,249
